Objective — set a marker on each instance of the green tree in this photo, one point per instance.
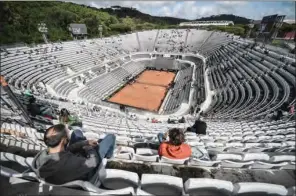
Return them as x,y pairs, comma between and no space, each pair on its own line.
121,28
286,28
113,20
129,22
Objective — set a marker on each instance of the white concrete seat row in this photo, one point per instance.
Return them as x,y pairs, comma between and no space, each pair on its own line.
75,56
125,182
195,39
213,42
236,152
95,91
170,40
179,92
147,39
242,160
252,65
134,67
20,143
249,83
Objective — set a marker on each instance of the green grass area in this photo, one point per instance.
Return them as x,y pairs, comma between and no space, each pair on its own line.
277,42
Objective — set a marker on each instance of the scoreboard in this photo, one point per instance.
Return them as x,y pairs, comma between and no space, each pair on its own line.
271,24
78,29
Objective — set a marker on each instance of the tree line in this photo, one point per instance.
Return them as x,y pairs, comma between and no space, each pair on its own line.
19,21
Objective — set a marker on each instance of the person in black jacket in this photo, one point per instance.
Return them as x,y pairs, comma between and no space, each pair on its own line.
60,163
35,109
32,107
199,127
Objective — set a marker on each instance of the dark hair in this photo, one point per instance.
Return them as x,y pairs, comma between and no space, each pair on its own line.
64,115
176,136
64,112
55,140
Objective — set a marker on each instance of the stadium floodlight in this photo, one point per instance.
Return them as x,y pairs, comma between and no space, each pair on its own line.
42,28
251,26
100,28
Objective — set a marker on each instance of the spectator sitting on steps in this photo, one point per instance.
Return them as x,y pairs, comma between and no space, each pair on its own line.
199,127
35,109
174,148
198,152
67,119
182,120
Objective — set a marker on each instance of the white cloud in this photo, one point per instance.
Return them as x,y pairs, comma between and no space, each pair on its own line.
186,9
287,11
232,2
140,4
290,21
165,11
196,9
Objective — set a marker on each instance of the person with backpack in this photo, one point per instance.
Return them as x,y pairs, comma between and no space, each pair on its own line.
67,119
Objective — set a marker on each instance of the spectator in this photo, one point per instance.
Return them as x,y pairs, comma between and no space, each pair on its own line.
59,165
68,119
292,109
32,107
279,115
285,107
35,109
199,127
198,152
182,120
154,120
96,108
175,148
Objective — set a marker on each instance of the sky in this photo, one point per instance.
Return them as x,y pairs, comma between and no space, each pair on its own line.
196,9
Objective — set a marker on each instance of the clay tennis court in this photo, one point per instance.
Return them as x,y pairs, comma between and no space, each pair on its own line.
155,77
141,94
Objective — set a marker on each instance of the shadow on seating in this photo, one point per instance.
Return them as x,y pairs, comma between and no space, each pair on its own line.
18,151
141,145
209,192
161,189
15,186
257,194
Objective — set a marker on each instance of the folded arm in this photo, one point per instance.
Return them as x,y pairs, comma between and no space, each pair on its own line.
77,146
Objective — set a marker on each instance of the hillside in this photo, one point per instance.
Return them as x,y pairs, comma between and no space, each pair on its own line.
231,17
133,13
123,12
19,21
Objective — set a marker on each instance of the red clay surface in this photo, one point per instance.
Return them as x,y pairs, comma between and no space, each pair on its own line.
161,78
144,95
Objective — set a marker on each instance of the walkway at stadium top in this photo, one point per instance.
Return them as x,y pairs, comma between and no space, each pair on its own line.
236,84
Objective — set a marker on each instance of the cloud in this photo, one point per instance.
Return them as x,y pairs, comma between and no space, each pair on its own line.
290,21
232,2
198,9
140,4
165,11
